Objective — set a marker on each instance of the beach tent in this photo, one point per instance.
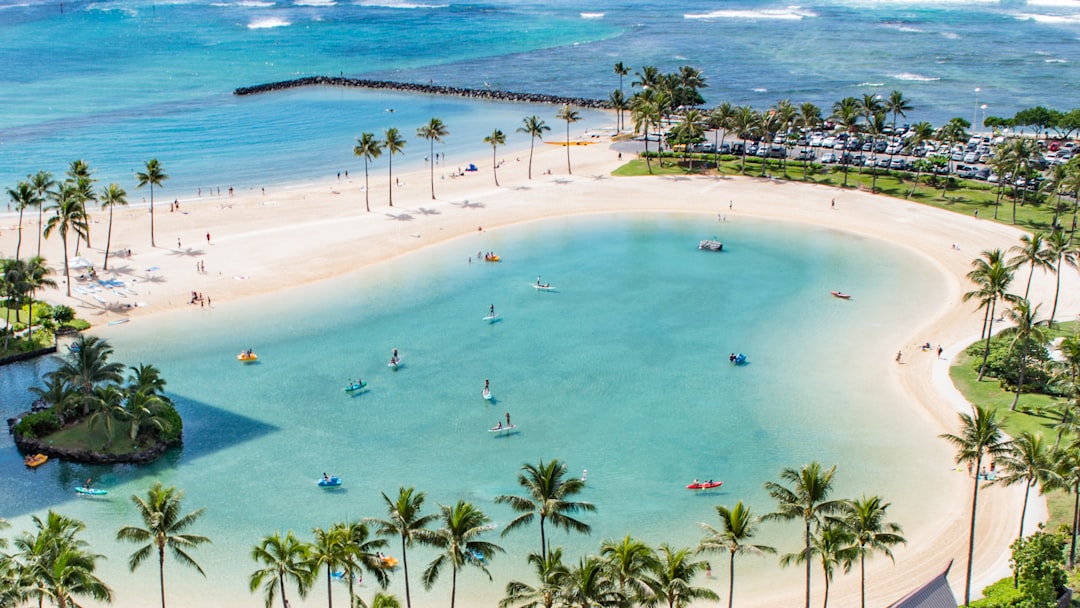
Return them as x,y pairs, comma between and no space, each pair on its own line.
80,262
934,594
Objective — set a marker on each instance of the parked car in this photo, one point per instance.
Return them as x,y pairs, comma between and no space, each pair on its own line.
896,163
804,155
971,157
983,174
829,158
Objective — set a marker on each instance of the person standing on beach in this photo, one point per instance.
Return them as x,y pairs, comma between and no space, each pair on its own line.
207,238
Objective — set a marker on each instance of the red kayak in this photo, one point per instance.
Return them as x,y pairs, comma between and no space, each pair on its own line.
704,485
841,295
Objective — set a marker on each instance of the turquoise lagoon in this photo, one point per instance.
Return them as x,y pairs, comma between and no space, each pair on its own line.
622,370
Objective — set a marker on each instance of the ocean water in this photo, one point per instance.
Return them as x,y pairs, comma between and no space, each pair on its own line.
621,370
120,81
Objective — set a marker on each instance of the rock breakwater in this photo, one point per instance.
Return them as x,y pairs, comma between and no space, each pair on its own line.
426,89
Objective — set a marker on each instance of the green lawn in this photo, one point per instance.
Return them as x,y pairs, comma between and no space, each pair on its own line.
963,196
79,436
1027,417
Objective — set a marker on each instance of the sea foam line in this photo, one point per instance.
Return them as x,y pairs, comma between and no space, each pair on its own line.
592,15
912,77
402,5
267,23
791,13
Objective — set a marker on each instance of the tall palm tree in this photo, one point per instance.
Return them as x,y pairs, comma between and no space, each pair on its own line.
1066,475
404,520
992,277
88,365
462,524
629,561
737,526
832,544
1061,250
1027,460
673,578
847,112
552,576
24,196
1033,252
896,104
920,133
144,411
496,139
535,129
980,437
43,184
744,122
154,175
865,519
70,218
35,277
368,148
1025,330
394,144
111,196
588,585
108,405
692,130
433,131
621,70
570,115
283,559
58,562
364,554
645,113
619,102
69,574
1017,156
720,121
547,488
808,119
164,527
805,498
648,77
146,378
950,134
330,548
84,191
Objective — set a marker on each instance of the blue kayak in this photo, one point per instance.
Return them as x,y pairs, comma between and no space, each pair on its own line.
332,482
355,386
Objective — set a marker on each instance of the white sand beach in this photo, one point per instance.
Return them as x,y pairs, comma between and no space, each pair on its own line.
258,243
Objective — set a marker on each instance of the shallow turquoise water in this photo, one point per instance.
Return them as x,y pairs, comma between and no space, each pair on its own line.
622,371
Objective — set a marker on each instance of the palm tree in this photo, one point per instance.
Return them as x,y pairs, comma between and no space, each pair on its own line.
691,130
1066,475
992,276
950,134
145,410
457,540
330,549
806,499
111,196
364,553
24,196
847,112
570,115
1060,247
496,139
1033,252
368,148
738,525
618,102
43,184
864,518
743,122
70,217
152,176
980,436
645,113
1017,156
920,132
552,576
588,585
673,577
629,561
107,405
1027,460
434,131
720,121
547,489
394,144
404,520
88,365
69,573
35,277
146,378
1025,330
58,563
621,70
896,104
164,527
384,600
534,128
832,544
283,559
808,119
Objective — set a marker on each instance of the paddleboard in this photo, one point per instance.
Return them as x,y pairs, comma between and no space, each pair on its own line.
90,491
490,317
487,394
499,429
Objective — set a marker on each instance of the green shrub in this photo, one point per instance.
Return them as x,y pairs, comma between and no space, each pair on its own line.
174,425
33,426
63,314
1004,364
1000,595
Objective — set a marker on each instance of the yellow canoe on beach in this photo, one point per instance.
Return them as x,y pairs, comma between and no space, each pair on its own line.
573,143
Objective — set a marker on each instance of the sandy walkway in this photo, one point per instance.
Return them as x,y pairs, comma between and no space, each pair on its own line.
260,243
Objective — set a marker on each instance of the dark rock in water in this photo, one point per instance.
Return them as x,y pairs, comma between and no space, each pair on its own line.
427,89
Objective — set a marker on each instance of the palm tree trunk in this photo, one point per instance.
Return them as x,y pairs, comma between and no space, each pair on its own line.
67,271
390,157
567,162
862,579
916,184
39,216
494,167
731,581
648,163
329,591
986,318
1023,510
1020,384
108,240
153,244
18,244
543,540
281,582
405,567
453,586
807,556
1031,275
431,157
971,533
1076,518
30,317
532,142
352,593
161,572
1057,291
989,333
367,190
825,604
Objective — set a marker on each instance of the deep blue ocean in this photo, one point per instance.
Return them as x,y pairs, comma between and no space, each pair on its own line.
117,82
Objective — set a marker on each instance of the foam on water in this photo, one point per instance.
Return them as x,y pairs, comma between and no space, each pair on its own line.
592,15
912,77
792,13
263,23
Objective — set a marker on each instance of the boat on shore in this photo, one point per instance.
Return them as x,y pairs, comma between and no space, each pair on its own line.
841,295
704,485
